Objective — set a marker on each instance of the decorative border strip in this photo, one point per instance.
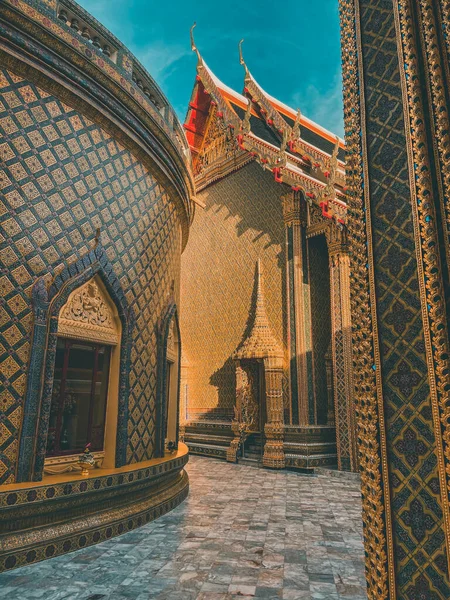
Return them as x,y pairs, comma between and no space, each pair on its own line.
128,519
75,487
380,571
438,104
208,451
432,295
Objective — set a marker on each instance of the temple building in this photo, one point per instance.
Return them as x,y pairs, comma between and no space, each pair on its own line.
247,287
96,204
267,349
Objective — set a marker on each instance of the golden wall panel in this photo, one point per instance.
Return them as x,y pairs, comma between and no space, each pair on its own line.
241,222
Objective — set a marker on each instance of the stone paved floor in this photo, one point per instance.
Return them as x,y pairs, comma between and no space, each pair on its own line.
243,532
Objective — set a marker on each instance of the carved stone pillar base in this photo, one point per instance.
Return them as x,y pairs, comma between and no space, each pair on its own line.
274,456
233,450
273,448
234,445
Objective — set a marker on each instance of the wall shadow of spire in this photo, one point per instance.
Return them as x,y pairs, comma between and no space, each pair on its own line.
253,196
224,378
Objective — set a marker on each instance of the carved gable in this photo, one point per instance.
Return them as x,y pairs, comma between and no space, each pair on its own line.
218,145
89,315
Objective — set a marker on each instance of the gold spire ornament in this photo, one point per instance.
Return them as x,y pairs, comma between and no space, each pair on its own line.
242,62
194,47
296,131
246,127
329,193
261,342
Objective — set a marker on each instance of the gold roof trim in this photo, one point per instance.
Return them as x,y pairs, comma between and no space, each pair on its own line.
258,96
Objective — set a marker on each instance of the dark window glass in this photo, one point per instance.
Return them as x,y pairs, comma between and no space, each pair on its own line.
80,388
168,374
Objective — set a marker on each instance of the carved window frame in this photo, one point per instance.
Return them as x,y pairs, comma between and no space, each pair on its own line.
76,326
47,304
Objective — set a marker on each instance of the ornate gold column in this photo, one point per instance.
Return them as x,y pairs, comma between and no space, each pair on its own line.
396,97
341,346
274,428
298,310
330,386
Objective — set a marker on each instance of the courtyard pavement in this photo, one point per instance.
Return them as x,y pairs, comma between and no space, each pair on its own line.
243,532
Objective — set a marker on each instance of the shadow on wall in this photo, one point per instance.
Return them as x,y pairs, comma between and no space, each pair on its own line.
241,222
252,196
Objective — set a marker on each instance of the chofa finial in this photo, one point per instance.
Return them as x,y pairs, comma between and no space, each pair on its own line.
334,161
241,59
193,46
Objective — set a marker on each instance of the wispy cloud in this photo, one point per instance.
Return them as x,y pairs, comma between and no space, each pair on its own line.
296,60
160,58
322,105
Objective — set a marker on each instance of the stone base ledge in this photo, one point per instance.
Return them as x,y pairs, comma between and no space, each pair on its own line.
49,518
305,447
347,475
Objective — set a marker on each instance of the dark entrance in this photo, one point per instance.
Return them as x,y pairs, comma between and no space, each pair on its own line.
253,446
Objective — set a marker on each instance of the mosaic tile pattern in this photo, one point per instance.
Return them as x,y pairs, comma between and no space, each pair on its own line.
419,542
62,176
242,222
242,532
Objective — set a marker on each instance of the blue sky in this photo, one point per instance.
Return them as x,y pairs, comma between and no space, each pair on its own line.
291,48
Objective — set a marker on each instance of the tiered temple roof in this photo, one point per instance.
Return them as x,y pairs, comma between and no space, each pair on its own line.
226,130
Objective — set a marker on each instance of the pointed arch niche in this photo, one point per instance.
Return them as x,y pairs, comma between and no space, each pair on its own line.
84,403
78,380
168,380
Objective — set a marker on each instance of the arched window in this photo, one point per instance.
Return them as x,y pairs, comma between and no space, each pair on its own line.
172,385
85,382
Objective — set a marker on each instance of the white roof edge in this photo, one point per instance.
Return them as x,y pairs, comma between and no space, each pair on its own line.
243,99
294,113
225,87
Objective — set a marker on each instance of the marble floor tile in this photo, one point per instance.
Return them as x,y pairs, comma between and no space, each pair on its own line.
242,533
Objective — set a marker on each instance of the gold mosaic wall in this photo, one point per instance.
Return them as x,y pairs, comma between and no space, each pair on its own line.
242,222
61,177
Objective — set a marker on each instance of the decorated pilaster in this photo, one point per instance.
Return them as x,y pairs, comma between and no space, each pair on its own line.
341,347
184,369
396,80
330,386
298,309
259,346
